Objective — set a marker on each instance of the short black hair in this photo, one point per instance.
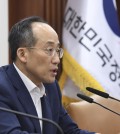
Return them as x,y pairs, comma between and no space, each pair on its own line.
21,35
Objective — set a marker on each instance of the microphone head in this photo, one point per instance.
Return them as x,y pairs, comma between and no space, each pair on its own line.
86,98
100,93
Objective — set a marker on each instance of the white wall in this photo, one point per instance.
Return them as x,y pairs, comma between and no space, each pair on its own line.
4,32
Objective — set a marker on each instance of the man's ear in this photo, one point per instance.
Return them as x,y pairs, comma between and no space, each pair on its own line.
22,54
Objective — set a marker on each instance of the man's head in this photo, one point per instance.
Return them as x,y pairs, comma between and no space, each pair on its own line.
21,35
35,49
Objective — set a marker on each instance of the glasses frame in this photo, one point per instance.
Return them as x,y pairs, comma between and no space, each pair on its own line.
50,51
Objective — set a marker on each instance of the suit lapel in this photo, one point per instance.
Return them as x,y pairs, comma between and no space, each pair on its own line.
23,96
28,105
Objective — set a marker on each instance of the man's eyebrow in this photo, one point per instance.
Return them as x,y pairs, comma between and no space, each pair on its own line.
52,42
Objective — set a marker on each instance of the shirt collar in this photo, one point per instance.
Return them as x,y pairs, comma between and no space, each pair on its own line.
29,84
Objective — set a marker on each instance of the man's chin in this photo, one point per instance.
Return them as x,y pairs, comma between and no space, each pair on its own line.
50,80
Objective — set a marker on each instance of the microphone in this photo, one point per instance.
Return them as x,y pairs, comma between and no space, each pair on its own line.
33,116
90,100
86,98
100,93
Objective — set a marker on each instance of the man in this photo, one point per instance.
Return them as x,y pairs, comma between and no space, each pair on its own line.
29,86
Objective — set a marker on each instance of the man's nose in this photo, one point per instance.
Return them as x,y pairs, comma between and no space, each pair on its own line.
56,59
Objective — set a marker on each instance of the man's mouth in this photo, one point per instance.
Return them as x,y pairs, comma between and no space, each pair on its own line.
54,72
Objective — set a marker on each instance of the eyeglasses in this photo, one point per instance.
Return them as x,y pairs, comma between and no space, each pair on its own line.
51,51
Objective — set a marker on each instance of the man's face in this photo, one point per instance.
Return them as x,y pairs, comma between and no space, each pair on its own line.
39,66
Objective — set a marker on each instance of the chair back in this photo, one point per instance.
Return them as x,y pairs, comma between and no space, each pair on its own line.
92,117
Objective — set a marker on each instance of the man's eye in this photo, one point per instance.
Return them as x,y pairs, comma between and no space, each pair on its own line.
50,49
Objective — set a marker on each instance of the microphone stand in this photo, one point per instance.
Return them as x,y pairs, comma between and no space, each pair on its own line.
114,98
32,116
106,108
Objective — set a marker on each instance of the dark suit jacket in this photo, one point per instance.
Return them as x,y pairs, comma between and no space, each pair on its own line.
15,96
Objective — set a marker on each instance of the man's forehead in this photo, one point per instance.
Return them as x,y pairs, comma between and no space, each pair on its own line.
41,25
50,42
42,28
45,33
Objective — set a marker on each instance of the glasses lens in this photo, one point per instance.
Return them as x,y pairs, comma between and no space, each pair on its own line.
61,53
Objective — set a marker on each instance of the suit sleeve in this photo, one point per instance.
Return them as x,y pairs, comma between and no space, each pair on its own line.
9,123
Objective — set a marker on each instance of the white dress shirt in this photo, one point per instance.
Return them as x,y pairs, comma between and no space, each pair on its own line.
35,92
